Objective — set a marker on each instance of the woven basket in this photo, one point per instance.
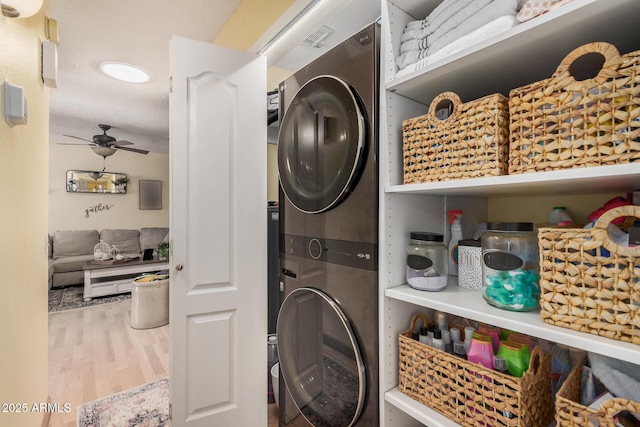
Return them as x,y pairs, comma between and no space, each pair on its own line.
472,142
564,123
470,394
584,288
570,413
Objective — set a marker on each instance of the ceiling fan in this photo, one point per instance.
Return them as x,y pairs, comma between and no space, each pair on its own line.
105,145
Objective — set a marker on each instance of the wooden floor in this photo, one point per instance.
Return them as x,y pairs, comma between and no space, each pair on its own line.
94,352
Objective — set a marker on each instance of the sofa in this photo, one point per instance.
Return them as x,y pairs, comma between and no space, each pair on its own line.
69,250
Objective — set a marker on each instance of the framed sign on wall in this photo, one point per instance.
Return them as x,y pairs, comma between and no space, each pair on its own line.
150,195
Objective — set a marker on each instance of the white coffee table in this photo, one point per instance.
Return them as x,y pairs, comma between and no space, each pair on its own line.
102,279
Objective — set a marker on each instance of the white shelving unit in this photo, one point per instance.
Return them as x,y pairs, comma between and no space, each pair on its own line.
468,303
529,52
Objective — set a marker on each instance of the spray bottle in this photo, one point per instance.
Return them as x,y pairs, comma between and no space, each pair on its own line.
455,220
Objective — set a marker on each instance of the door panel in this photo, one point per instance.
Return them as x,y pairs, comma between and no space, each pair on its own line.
218,309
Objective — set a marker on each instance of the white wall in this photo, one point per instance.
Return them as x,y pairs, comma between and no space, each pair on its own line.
23,225
68,211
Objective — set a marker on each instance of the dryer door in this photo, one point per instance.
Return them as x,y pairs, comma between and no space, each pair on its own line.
321,144
320,359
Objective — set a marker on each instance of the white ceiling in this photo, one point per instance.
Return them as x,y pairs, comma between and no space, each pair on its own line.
138,32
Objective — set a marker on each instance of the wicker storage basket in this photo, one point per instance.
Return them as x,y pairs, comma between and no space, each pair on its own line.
564,123
570,413
472,142
470,394
585,288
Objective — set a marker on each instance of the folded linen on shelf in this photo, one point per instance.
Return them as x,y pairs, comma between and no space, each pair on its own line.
410,57
496,9
419,44
439,29
485,32
415,25
444,17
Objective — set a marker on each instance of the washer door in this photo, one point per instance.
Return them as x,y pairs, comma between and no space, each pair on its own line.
320,359
320,144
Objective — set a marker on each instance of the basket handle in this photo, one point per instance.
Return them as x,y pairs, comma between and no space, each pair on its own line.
612,60
418,316
535,361
612,406
445,96
600,230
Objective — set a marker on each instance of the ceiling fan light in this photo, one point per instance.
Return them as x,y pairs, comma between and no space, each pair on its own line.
20,8
124,72
104,151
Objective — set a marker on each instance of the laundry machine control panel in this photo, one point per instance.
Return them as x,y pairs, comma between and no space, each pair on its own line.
342,252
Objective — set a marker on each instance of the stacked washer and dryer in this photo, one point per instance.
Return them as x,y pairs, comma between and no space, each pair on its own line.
327,158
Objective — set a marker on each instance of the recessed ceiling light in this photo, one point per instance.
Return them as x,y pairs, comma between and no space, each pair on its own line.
123,71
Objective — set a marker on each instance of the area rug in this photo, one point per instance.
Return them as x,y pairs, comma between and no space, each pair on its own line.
147,405
71,297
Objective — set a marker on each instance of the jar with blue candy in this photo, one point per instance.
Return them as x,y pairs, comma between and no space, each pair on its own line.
510,266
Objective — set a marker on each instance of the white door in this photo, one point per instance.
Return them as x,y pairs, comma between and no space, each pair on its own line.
218,157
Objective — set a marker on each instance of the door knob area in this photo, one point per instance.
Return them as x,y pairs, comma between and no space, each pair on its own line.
179,267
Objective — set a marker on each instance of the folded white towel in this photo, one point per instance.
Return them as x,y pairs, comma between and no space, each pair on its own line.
409,35
410,57
444,11
415,25
413,45
496,9
465,13
485,32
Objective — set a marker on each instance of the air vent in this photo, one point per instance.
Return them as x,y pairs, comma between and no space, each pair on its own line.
314,39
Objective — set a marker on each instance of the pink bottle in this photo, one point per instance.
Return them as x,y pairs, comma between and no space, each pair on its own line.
494,333
481,352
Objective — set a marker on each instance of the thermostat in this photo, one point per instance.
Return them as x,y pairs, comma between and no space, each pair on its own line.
15,104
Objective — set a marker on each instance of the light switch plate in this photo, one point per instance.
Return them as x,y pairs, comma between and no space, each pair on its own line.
15,104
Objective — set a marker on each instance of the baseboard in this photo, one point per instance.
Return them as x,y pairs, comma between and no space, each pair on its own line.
46,415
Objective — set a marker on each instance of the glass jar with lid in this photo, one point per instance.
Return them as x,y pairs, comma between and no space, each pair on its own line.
427,261
510,266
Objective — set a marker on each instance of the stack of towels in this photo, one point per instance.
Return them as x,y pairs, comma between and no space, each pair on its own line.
451,27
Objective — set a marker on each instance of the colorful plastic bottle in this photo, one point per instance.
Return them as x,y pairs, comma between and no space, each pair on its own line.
494,333
481,352
525,344
513,355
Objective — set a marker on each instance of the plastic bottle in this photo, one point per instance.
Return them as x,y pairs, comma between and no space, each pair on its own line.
424,337
446,338
441,320
437,341
455,220
272,358
559,214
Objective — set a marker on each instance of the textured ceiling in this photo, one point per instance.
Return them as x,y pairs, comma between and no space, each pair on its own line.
133,31
139,31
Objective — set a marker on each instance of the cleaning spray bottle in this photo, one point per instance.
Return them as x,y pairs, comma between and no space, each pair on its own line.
455,220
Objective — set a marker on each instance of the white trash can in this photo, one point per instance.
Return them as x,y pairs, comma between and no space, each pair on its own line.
150,301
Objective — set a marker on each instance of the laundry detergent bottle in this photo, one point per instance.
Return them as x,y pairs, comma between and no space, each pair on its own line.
455,221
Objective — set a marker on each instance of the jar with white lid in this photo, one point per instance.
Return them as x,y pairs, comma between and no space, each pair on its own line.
426,261
510,266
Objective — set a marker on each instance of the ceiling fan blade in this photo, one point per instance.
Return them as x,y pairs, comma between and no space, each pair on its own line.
121,142
135,150
75,143
77,137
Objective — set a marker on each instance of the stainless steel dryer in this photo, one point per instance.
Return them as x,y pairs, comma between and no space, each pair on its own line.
327,159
